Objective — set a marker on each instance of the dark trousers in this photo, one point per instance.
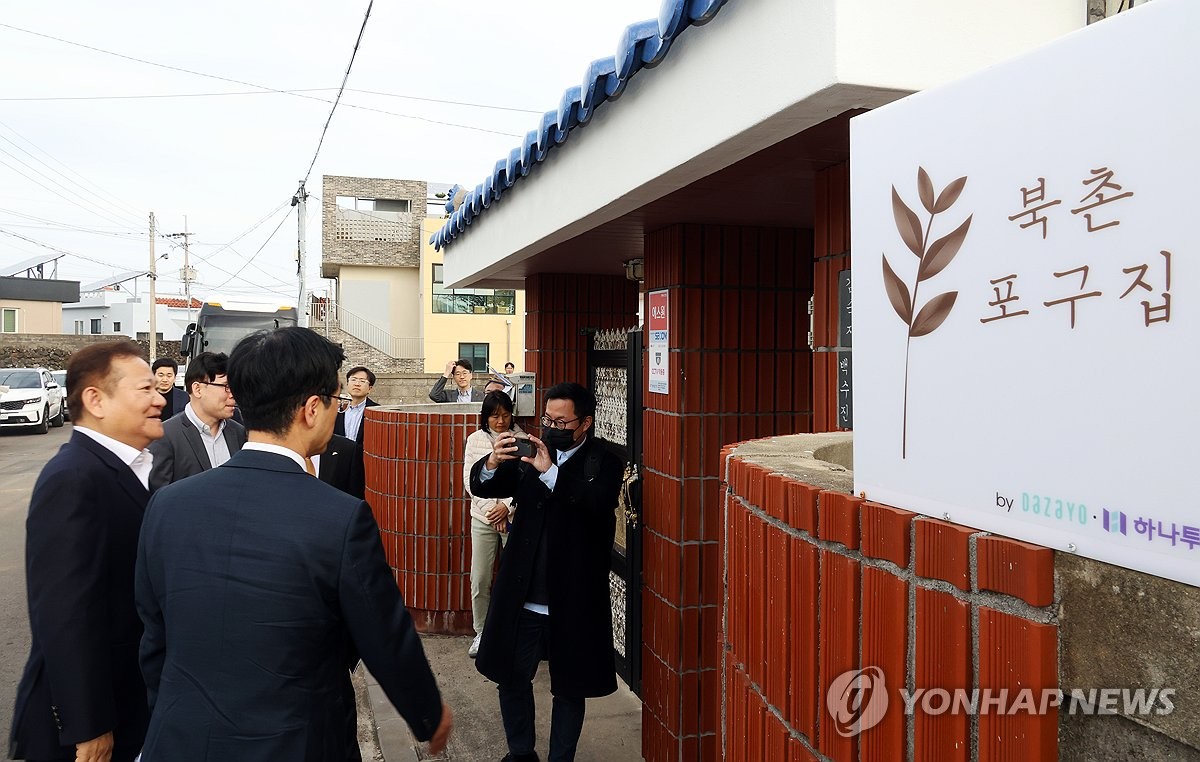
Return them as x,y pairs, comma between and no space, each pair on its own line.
516,698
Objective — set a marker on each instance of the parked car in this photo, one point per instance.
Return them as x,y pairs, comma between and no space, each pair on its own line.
30,397
60,378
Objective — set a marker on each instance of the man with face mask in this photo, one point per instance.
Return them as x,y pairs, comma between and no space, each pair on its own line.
550,599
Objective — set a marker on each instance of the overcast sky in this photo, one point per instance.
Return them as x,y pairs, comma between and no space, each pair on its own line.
82,163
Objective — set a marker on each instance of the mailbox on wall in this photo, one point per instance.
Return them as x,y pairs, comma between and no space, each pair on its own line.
524,401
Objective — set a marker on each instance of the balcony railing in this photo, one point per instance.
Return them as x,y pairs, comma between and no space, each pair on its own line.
327,315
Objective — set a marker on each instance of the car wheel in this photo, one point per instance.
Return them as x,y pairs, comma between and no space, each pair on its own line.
44,425
57,421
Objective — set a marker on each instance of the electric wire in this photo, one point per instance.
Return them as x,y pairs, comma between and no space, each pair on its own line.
252,84
260,248
338,99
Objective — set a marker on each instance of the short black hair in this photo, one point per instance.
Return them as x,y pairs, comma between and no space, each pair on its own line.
508,365
273,372
164,362
491,401
361,369
581,396
466,364
205,367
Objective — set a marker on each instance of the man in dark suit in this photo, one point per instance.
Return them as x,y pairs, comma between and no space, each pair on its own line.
82,695
550,599
206,435
462,373
255,579
351,421
338,466
174,398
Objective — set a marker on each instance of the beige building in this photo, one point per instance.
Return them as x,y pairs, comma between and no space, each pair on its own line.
388,306
34,305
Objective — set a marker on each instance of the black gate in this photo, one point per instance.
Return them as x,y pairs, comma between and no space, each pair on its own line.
615,374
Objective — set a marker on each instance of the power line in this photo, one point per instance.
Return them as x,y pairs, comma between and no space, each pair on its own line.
62,251
290,91
101,213
295,94
346,76
260,248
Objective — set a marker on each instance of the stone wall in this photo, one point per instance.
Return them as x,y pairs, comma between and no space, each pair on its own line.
51,350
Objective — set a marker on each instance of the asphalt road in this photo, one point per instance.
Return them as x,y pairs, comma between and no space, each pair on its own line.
22,456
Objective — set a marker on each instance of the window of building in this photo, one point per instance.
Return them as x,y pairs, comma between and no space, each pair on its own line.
476,354
116,326
471,301
78,327
95,325
402,205
8,320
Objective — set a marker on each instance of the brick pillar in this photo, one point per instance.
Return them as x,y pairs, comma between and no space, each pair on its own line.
414,462
558,311
740,368
831,255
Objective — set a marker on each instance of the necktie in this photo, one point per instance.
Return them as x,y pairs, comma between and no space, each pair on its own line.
308,466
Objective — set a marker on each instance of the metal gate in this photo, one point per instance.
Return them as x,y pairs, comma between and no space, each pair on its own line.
615,374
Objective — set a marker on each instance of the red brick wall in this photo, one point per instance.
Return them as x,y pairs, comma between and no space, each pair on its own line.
821,582
740,369
415,488
831,255
558,310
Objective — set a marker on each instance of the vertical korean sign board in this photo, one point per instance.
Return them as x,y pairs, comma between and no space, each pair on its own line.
658,326
1027,296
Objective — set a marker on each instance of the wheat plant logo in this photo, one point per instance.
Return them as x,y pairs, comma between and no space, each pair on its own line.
932,259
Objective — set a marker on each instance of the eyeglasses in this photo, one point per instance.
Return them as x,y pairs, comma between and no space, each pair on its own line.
343,401
550,423
220,386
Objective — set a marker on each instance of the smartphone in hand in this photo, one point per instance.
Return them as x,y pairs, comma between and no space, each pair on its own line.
525,448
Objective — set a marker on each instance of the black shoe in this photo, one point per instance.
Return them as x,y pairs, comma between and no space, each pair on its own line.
530,757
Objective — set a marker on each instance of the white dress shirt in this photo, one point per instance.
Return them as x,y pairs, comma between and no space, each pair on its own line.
214,442
139,461
353,419
278,450
464,396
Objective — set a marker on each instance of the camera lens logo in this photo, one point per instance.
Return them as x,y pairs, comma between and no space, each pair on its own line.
857,700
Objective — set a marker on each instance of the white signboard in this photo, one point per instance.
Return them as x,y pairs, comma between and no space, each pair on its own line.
1027,295
658,328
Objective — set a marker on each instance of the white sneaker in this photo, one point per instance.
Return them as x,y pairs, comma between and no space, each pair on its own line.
473,650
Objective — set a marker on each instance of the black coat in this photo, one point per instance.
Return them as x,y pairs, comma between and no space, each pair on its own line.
581,524
358,487
341,466
253,579
82,678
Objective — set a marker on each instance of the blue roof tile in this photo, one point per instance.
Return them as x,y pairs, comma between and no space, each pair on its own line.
643,45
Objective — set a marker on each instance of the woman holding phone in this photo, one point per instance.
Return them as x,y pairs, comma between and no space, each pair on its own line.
489,517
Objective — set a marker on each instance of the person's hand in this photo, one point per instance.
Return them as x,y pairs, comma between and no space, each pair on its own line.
541,459
449,369
442,735
496,513
98,749
504,448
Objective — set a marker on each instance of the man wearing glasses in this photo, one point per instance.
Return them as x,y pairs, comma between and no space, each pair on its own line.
204,436
550,599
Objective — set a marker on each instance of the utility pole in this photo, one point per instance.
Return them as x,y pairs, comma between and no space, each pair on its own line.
153,293
186,274
298,201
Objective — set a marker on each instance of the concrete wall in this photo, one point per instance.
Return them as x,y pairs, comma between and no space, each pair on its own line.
35,317
387,297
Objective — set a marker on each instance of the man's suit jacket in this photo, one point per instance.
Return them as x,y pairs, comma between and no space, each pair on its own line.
181,452
339,426
177,400
82,678
358,484
439,392
340,464
253,579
